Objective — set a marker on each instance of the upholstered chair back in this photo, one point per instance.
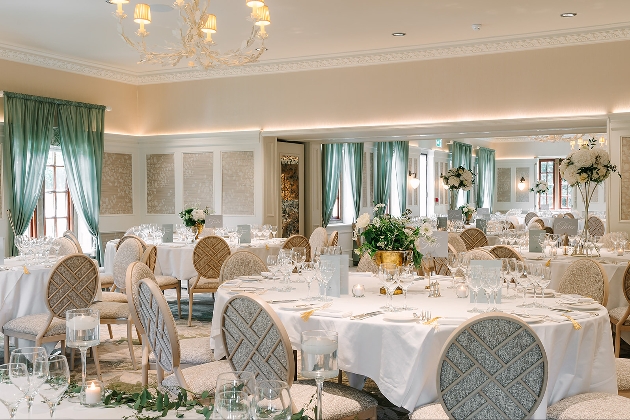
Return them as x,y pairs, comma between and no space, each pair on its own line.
135,272
505,251
318,239
129,251
150,257
529,216
587,278
72,284
480,254
298,241
66,246
333,240
209,255
596,226
127,236
367,264
626,283
70,235
241,263
456,242
474,238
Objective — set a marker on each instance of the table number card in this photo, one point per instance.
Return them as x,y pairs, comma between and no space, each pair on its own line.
483,211
168,233
563,226
442,223
214,221
481,224
338,284
246,233
481,297
439,248
534,246
455,214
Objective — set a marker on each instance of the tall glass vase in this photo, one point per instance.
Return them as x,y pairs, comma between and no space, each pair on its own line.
452,205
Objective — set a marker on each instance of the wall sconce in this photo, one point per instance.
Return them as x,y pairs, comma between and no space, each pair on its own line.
572,143
413,181
521,184
602,141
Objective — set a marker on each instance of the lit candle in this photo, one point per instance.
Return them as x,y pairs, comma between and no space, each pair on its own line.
358,290
462,291
620,251
93,394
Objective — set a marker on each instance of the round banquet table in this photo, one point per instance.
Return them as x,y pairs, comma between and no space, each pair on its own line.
175,259
401,357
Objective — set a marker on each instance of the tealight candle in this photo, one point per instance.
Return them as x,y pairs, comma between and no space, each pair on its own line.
620,251
462,291
92,394
358,290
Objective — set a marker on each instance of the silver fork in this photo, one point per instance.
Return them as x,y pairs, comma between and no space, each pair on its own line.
424,316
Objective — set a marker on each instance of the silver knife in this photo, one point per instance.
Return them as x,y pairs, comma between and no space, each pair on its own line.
366,315
283,301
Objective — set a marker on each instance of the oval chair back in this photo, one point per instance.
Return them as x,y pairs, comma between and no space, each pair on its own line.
241,263
208,257
587,278
474,238
129,251
298,241
72,284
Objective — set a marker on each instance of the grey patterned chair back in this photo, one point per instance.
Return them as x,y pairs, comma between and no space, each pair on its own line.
587,278
241,263
456,242
367,264
596,226
150,257
333,240
493,366
72,284
318,239
135,272
480,254
128,252
70,235
298,241
505,251
536,221
474,238
255,339
529,216
66,246
209,255
158,324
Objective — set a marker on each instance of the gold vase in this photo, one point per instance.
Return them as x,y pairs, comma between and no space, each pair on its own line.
394,257
199,227
468,218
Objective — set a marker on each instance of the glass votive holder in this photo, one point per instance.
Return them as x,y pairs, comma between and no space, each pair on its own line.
92,393
461,290
358,290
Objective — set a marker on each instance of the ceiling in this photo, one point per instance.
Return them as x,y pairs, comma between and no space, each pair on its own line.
85,31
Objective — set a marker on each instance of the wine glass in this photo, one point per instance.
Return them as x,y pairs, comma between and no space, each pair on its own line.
326,272
319,360
474,283
13,386
486,281
272,265
232,405
405,279
274,230
56,383
308,270
533,272
34,358
386,274
236,381
272,401
299,256
543,281
453,264
524,281
542,241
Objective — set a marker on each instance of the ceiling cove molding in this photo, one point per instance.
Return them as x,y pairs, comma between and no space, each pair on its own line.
283,66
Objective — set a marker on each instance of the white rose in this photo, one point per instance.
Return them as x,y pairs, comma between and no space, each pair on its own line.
198,215
363,221
467,176
583,177
426,229
453,181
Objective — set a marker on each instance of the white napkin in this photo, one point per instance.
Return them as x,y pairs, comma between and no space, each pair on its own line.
333,313
250,278
571,300
560,317
232,283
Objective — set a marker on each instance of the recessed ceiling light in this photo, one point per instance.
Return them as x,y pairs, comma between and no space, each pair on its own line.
569,15
399,34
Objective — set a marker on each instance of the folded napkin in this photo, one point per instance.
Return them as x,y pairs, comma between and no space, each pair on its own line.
559,317
332,313
574,300
250,278
232,283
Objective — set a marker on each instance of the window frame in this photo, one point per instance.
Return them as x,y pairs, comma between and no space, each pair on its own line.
556,190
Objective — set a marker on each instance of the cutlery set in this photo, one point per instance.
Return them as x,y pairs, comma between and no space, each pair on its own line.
366,315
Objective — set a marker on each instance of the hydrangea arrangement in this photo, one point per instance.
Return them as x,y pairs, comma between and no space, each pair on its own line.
458,178
387,233
467,210
540,187
193,216
588,164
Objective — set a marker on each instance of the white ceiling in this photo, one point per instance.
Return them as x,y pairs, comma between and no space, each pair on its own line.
86,31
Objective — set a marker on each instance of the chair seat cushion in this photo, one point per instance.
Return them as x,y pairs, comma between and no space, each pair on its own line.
34,324
623,374
205,283
618,313
107,280
192,351
199,378
433,411
592,405
114,297
111,310
339,401
163,281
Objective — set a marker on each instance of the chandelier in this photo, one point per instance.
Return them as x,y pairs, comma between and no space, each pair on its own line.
195,35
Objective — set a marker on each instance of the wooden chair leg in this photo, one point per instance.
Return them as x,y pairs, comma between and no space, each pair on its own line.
145,365
111,334
190,303
6,349
130,343
139,336
617,341
97,363
339,377
179,299
160,374
296,365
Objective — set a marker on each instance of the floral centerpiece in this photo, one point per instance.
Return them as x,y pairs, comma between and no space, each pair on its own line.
194,217
467,211
457,179
387,233
540,187
586,168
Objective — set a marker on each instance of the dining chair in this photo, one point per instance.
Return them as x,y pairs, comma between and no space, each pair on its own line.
165,282
511,225
505,251
193,351
128,236
333,239
161,334
592,405
208,257
474,238
114,311
569,215
596,226
548,229
255,340
241,263
456,242
441,263
107,279
367,264
619,316
585,277
298,241
536,223
70,235
480,254
66,246
72,284
529,216
492,366
318,239
622,368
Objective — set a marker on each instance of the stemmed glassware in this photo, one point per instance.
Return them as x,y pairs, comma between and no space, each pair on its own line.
272,265
474,283
524,281
236,381
543,281
326,270
13,386
285,264
272,401
299,257
452,262
406,278
274,230
232,405
82,332
34,358
309,271
56,383
319,360
387,274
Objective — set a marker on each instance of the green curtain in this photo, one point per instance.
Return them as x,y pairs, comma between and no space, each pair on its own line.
485,177
401,156
382,171
81,132
461,155
354,156
331,171
28,124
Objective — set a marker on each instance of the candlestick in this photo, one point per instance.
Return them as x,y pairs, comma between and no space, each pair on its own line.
358,290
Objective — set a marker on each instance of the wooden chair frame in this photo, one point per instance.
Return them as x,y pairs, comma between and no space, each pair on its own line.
618,324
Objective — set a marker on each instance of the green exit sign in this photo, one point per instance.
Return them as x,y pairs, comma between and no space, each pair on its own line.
438,142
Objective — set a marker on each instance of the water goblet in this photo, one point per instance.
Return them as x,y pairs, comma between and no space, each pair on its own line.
272,401
56,383
453,264
236,381
13,386
474,284
319,360
543,281
34,358
232,405
299,257
327,270
274,230
308,270
272,264
524,281
405,279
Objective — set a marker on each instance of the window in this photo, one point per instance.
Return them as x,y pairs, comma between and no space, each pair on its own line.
546,173
336,211
560,193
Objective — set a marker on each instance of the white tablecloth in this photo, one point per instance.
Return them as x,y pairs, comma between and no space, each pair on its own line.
175,259
402,357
